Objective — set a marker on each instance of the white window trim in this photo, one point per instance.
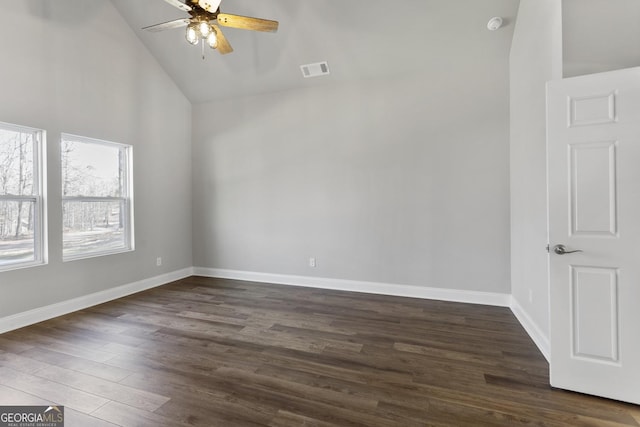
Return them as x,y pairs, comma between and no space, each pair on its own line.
126,198
40,209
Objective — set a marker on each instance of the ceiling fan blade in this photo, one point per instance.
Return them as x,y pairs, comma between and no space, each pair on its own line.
210,6
180,5
247,23
177,23
223,44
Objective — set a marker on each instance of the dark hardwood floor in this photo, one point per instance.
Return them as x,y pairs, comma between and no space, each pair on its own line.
211,352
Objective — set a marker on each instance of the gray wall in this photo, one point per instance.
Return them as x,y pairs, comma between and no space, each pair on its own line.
536,57
76,67
401,180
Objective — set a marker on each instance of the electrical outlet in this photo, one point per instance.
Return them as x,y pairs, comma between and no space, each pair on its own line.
159,261
312,262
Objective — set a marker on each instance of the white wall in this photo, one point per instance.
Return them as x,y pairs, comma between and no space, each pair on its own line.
75,66
401,180
536,57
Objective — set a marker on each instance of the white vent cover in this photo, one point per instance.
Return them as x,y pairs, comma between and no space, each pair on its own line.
315,70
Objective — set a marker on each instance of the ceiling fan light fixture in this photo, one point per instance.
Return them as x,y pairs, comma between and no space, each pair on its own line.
212,39
205,29
192,35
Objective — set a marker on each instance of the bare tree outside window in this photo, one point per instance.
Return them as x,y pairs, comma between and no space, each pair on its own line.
96,194
20,196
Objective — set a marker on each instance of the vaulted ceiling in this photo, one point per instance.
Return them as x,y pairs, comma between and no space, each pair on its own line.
360,39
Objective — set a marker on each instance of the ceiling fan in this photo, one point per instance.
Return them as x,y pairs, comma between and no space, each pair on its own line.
205,21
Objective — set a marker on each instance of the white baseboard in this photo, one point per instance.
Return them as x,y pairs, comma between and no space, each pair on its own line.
454,295
538,337
40,314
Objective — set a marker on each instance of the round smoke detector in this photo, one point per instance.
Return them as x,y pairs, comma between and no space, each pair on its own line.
494,23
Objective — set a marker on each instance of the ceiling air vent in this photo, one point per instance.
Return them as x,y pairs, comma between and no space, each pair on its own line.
315,70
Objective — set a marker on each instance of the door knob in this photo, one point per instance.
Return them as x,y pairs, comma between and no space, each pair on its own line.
562,250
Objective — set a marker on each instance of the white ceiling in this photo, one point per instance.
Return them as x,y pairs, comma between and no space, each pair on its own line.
361,39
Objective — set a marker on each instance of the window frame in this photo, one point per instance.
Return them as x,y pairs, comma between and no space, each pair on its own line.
126,196
40,253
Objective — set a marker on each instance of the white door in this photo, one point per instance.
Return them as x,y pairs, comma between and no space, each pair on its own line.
594,207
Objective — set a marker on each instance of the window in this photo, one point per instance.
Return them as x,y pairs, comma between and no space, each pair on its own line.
21,200
97,203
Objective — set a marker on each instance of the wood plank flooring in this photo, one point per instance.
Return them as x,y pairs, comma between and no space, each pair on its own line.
212,352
